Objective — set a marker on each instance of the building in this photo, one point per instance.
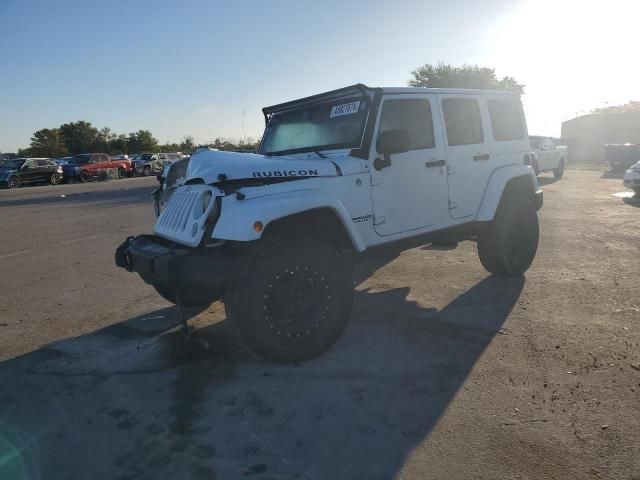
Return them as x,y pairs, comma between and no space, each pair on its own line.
587,135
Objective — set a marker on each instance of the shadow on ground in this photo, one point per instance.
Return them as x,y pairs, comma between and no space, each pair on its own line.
136,400
128,195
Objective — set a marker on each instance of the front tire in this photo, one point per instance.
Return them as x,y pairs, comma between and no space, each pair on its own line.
13,182
296,302
558,172
508,245
54,179
122,173
146,171
84,176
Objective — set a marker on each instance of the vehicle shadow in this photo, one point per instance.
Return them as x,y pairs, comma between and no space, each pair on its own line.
633,201
613,175
138,400
116,196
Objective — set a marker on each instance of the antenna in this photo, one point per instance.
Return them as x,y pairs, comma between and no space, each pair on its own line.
243,135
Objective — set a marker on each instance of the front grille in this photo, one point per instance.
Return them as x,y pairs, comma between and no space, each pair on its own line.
178,222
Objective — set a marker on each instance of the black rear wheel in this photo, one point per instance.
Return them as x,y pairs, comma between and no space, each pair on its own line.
84,176
508,246
558,172
146,171
122,173
296,301
13,181
54,179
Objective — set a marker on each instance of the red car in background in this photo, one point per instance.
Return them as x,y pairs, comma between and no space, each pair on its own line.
86,166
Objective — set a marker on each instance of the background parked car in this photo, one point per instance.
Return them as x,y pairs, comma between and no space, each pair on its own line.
632,178
548,156
620,157
20,171
61,161
153,163
85,166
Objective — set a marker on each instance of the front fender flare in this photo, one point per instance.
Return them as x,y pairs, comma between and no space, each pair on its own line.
238,216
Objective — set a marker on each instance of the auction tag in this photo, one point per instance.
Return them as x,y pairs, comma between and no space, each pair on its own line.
345,109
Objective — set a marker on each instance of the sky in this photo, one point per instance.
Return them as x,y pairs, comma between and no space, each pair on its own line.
192,67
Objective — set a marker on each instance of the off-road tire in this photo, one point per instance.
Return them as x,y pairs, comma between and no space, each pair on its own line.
146,171
508,245
188,299
54,179
296,301
558,172
13,181
84,176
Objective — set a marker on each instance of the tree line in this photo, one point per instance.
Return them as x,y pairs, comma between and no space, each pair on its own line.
82,137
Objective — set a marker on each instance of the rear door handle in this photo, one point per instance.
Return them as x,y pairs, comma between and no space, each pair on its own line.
435,163
481,156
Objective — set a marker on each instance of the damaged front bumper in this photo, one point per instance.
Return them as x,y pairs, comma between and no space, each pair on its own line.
163,263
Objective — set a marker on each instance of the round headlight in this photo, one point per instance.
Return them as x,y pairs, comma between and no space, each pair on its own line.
202,204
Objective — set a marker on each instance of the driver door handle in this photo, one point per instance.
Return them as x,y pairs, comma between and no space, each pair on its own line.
481,156
435,163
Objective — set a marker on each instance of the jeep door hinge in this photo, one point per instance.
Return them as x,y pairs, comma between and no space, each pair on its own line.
376,180
452,204
450,169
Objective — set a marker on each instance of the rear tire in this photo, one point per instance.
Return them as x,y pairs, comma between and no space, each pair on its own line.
13,182
54,179
296,302
146,171
558,172
508,245
84,176
122,173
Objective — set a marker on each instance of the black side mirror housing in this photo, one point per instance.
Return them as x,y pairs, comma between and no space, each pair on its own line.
393,141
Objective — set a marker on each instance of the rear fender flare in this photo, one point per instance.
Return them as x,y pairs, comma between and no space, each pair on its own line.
497,184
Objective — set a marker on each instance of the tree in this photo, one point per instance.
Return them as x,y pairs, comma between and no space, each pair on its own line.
79,137
627,107
188,144
48,142
466,76
142,141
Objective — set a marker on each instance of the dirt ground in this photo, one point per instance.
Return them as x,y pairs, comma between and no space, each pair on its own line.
444,372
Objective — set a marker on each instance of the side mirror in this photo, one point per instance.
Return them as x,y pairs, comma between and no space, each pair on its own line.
393,141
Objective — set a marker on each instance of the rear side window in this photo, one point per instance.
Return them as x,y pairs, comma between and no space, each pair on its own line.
412,115
44,163
463,121
506,120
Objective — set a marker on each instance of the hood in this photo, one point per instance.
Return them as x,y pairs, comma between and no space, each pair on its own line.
210,165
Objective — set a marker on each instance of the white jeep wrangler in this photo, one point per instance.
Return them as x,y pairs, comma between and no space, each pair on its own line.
339,176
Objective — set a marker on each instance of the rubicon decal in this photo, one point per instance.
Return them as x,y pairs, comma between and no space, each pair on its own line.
286,173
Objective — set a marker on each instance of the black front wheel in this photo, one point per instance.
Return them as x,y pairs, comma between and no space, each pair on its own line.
296,301
146,171
13,181
558,172
122,173
508,245
84,176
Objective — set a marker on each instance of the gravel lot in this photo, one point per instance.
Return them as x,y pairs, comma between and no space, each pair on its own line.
443,373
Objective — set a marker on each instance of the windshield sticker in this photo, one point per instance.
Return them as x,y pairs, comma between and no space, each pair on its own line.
345,109
286,173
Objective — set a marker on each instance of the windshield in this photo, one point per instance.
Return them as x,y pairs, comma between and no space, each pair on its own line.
328,125
12,163
79,160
